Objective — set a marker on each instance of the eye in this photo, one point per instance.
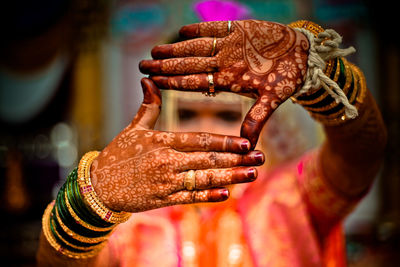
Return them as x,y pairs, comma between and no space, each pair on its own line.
186,114
229,116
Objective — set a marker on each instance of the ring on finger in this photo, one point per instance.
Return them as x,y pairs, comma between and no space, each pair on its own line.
214,46
211,87
229,26
189,181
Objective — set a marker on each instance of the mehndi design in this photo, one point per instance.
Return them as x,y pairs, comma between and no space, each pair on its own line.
260,59
143,169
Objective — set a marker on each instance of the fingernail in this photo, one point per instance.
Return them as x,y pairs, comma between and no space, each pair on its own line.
259,157
245,145
224,193
251,173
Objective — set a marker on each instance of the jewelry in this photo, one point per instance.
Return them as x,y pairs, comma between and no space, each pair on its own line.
308,25
69,221
348,82
190,180
339,117
211,88
324,94
72,234
362,86
229,26
214,46
90,196
82,222
76,200
53,242
61,240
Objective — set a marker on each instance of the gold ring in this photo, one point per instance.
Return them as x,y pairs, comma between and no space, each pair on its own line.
190,180
211,88
214,46
229,26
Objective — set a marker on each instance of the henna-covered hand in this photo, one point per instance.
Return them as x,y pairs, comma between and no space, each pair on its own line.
261,59
143,169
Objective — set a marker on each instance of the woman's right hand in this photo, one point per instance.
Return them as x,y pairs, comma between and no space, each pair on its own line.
143,169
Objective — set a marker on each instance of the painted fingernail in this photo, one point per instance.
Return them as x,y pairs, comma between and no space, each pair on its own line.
251,174
224,193
259,157
245,145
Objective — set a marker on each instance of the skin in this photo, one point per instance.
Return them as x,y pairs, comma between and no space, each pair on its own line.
349,158
261,59
214,117
277,74
143,169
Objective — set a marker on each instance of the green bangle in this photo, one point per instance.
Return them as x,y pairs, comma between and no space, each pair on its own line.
64,243
89,216
71,223
67,237
76,202
310,99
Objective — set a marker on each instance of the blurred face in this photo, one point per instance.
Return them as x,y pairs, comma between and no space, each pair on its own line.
218,118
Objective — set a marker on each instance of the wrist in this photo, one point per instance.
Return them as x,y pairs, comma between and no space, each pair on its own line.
77,223
333,89
323,107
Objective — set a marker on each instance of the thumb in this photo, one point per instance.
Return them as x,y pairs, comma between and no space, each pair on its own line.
148,112
255,120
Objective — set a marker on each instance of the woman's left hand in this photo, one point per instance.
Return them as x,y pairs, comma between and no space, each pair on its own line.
260,59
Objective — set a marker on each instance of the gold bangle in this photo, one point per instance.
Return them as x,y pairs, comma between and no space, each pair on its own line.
324,94
353,76
362,85
308,25
82,222
68,243
349,80
312,27
89,195
53,242
72,234
358,95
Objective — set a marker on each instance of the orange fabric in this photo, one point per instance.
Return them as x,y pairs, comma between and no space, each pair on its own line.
334,248
276,226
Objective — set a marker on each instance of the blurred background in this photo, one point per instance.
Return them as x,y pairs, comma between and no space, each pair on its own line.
69,82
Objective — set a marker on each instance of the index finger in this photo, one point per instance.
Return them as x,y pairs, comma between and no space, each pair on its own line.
207,29
187,142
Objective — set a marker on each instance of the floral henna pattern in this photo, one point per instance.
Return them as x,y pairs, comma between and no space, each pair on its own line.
190,82
143,169
187,66
261,59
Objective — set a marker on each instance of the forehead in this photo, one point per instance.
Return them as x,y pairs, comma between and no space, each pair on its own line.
222,101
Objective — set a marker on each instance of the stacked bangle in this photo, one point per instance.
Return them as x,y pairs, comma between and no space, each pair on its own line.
58,244
320,104
77,224
89,195
324,108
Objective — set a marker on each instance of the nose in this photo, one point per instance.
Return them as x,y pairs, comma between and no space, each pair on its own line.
206,124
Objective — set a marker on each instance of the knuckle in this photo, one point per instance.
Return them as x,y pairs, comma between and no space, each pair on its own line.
228,142
210,177
193,196
213,158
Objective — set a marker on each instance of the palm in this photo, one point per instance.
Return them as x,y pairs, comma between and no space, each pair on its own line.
261,59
